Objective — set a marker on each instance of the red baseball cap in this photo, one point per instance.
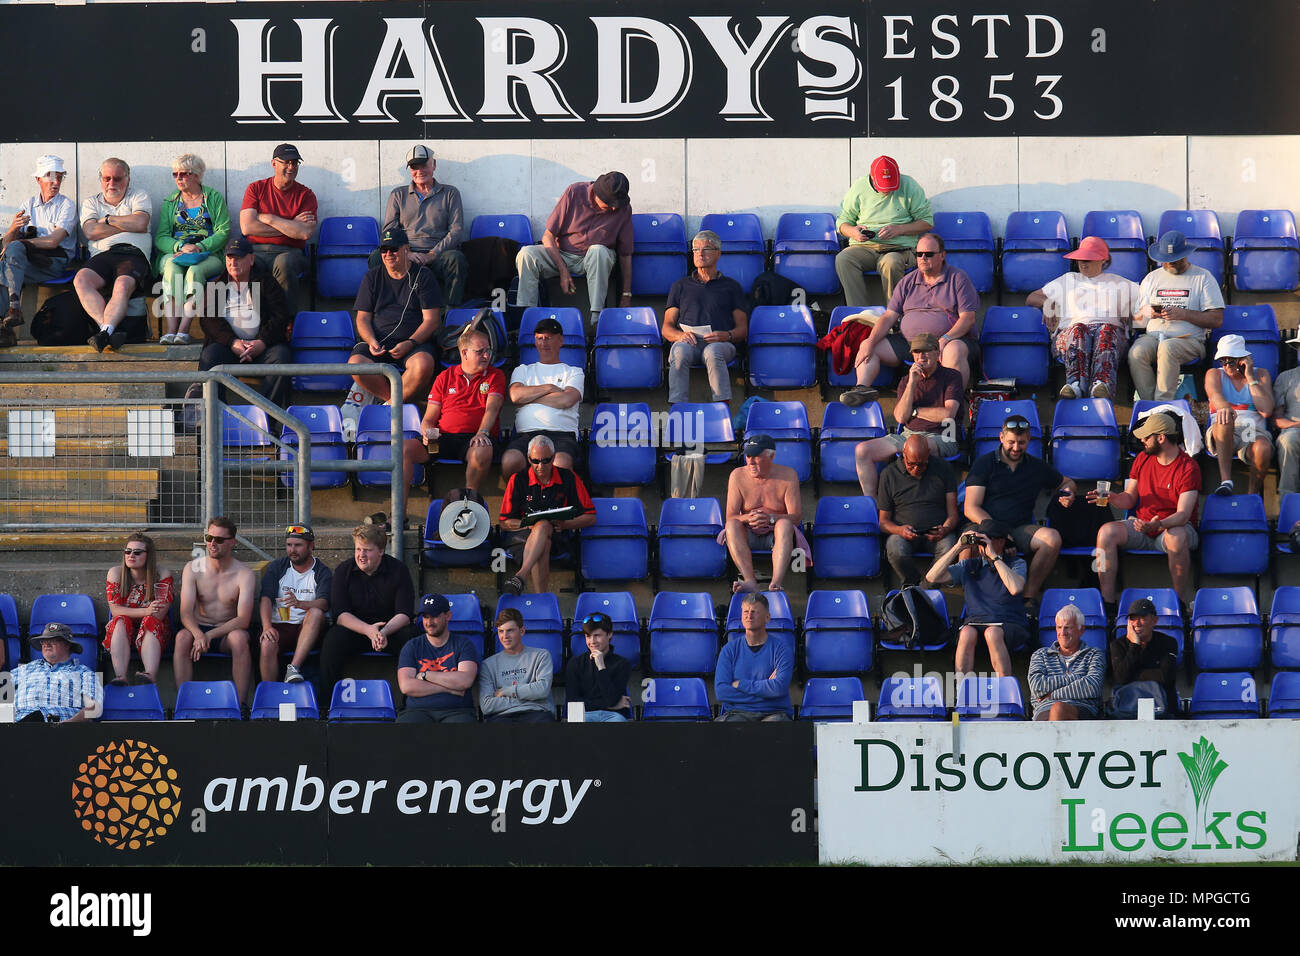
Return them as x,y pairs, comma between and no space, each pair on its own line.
884,174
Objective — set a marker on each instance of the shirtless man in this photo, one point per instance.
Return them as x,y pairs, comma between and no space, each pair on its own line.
763,511
217,598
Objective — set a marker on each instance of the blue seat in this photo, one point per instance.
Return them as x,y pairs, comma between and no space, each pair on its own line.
1087,600
837,633
683,633
271,694
323,338
132,703
621,450
1032,247
207,700
373,442
436,554
804,251
466,619
782,347
843,427
1085,438
355,701
509,226
629,350
15,647
1257,324
1287,515
1224,697
688,539
676,699
1284,695
660,255
245,433
787,424
75,610
846,538
838,315
696,426
572,352
1265,251
990,698
968,240
326,427
744,254
458,318
1169,614
991,415
780,624
1201,227
1014,343
830,698
911,698
621,608
617,546
1234,535
1284,627
1227,633
940,605
343,248
543,625
1125,237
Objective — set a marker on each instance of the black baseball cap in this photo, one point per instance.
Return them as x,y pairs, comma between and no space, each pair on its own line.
1142,607
394,237
433,605
755,445
288,152
992,528
611,189
549,324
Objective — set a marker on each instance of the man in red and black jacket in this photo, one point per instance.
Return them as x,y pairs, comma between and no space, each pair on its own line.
541,487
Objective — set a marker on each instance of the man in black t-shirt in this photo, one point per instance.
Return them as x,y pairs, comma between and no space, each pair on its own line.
1144,654
398,312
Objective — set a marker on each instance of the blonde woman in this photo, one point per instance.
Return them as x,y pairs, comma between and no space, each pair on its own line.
139,595
192,232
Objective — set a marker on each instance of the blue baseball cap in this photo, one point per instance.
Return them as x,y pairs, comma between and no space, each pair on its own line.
433,605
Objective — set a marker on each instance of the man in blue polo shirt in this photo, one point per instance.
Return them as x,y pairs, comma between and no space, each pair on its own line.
705,298
436,672
752,679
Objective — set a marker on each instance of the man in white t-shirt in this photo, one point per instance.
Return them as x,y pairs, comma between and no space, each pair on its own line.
295,598
38,245
115,223
546,395
1179,303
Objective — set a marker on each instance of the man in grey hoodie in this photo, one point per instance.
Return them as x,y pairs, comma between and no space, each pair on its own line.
515,685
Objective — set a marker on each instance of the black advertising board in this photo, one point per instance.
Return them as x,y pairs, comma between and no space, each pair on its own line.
681,68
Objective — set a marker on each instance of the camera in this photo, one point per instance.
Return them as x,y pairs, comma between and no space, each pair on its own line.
970,537
29,232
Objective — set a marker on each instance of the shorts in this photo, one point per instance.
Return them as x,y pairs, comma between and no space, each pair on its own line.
903,349
947,449
137,629
1022,536
109,265
1244,434
363,350
288,634
1137,541
564,442
561,542
761,542
1015,632
455,446
1086,711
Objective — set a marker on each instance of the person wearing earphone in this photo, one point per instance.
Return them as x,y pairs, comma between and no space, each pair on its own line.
398,312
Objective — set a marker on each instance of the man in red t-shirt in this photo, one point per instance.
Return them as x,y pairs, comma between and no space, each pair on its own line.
463,415
1162,490
278,216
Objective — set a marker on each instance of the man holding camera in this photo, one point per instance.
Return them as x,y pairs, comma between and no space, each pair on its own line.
38,245
993,582
1241,399
881,216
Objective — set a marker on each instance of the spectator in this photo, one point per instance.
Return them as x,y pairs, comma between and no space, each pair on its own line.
938,300
917,500
371,598
752,680
191,235
927,405
115,222
464,411
704,298
515,685
139,597
1286,410
881,216
245,321
1089,313
546,395
1178,303
1241,399
1144,656
217,597
599,678
587,229
437,672
278,216
293,604
1065,678
764,511
546,488
992,582
1004,485
430,213
398,311
39,244
55,688
1162,490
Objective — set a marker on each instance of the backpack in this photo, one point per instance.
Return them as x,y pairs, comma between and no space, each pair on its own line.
772,288
446,338
983,392
62,321
910,619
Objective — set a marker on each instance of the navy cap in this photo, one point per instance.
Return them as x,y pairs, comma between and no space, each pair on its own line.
287,152
394,237
549,324
239,247
992,528
434,604
755,445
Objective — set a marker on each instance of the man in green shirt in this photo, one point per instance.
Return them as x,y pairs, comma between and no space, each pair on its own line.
882,216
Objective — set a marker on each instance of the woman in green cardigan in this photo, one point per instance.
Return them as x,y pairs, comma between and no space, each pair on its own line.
190,242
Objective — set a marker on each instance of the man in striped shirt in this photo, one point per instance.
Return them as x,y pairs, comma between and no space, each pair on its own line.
1065,678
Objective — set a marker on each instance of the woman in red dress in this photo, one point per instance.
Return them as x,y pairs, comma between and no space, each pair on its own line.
139,595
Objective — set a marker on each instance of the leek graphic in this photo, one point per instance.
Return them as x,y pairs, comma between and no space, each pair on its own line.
1203,767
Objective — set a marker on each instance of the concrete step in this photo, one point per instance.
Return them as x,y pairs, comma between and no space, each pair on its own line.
16,512
145,357
116,483
53,392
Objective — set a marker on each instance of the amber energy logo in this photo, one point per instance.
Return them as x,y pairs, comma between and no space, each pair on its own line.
126,795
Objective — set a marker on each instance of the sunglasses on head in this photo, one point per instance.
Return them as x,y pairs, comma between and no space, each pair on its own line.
1016,423
296,529
542,461
209,538
601,619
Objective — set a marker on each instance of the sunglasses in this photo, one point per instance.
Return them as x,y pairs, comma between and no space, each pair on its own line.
132,552
1016,423
927,255
542,461
602,619
209,538
1229,362
384,250
297,529
183,173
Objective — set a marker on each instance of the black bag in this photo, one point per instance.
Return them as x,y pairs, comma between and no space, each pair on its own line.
1078,524
910,619
446,338
1124,703
772,288
62,321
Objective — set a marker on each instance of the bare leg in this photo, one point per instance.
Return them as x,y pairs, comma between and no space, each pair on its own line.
182,657
1180,563
377,385
120,650
477,465
1106,564
998,655
965,650
782,546
1046,547
1261,456
268,658
150,656
537,545
312,625
738,546
241,663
